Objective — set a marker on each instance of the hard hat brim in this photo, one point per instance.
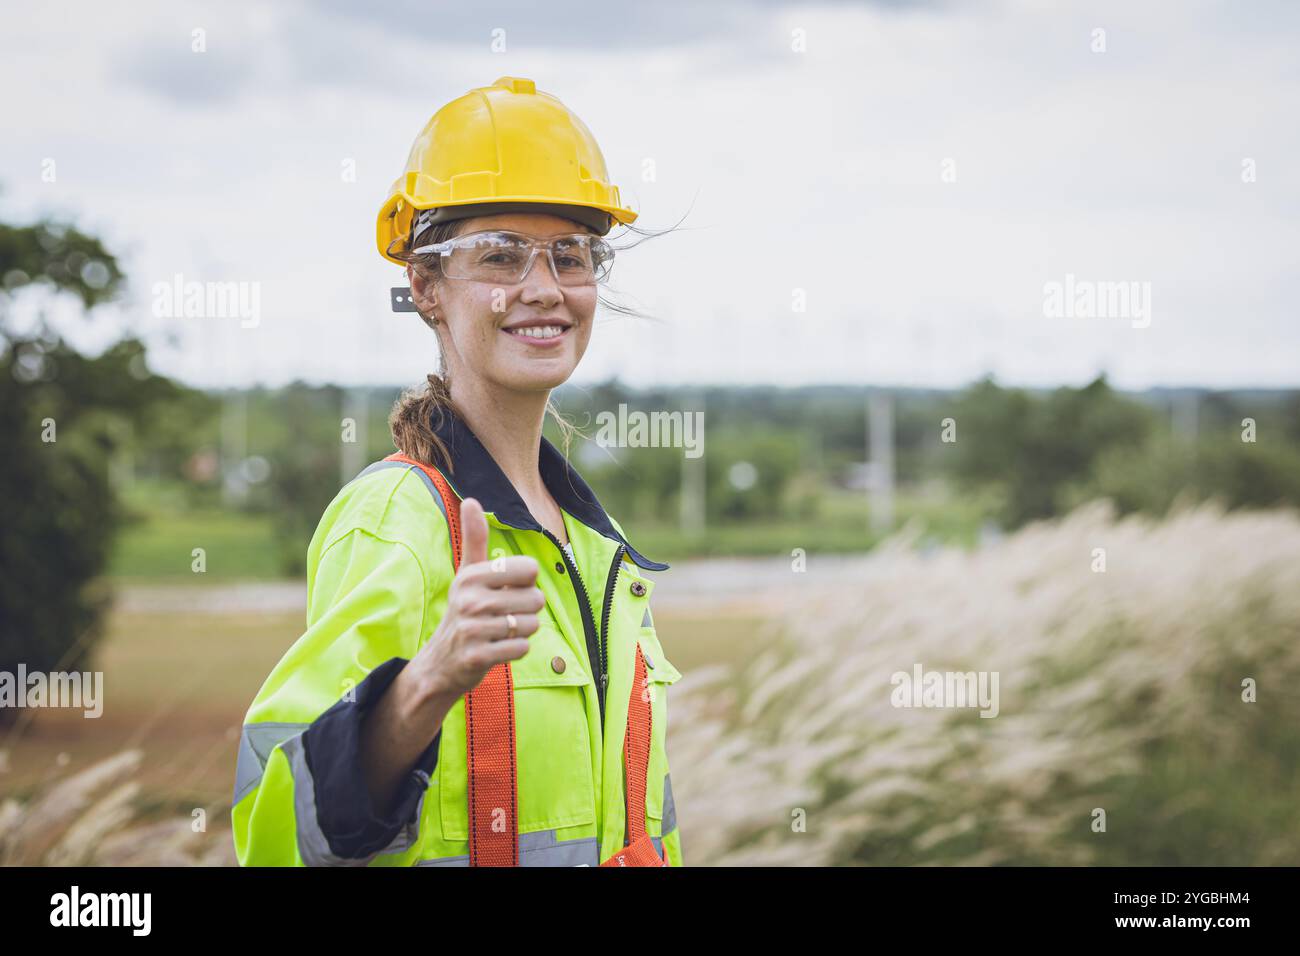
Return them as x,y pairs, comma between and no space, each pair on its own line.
597,219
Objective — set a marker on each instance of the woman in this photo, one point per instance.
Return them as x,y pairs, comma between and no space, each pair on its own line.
480,681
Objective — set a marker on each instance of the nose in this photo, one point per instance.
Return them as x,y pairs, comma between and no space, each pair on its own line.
539,282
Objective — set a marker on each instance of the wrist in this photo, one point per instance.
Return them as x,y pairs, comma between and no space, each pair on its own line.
423,694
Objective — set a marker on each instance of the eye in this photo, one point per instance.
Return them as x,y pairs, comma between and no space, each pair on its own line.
501,256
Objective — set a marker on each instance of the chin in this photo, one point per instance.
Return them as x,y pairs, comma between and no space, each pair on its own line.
536,379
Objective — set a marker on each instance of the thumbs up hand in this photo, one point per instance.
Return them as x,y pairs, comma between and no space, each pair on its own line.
473,533
474,634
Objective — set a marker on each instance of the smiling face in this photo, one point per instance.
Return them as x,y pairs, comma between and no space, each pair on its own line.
482,323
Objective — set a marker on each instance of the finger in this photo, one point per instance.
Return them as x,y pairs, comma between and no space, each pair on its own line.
496,602
510,571
473,532
490,629
497,651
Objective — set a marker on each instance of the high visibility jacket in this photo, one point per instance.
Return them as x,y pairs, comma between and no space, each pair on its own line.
379,568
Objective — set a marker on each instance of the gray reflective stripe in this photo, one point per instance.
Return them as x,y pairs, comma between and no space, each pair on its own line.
645,620
255,745
670,808
312,845
659,846
428,482
539,848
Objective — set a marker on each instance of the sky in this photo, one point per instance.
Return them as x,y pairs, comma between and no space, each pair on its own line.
879,193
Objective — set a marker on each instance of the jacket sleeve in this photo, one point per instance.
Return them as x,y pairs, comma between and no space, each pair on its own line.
300,793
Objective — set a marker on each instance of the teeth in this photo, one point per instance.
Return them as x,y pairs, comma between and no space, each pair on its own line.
539,332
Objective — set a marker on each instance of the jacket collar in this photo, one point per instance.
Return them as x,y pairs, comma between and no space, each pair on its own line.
475,474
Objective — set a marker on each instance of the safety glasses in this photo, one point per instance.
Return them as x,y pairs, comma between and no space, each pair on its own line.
504,257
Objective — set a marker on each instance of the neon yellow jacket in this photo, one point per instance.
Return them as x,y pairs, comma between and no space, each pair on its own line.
379,569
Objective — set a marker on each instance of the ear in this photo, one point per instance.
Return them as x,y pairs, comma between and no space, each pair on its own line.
422,290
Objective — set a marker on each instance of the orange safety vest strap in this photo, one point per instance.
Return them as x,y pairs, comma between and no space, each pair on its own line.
489,731
640,850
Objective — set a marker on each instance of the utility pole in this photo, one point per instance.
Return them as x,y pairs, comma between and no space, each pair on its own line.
352,454
1187,425
880,465
692,516
234,446
1187,416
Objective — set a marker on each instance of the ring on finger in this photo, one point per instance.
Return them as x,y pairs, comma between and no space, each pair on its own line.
512,626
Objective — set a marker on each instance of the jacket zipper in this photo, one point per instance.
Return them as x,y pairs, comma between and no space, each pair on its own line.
605,608
595,643
604,630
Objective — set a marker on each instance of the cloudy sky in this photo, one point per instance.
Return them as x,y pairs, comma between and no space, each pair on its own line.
877,193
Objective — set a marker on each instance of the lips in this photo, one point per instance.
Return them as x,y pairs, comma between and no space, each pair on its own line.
538,334
541,320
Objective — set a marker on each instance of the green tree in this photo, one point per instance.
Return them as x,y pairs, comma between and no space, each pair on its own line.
304,467
1035,447
62,417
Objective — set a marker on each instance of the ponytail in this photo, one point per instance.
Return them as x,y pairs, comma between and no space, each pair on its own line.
411,422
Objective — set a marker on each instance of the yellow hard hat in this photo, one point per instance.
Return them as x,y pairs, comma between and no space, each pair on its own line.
507,147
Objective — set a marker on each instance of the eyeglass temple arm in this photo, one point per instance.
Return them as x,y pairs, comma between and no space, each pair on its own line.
433,247
400,297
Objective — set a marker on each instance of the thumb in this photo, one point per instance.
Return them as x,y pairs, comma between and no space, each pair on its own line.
473,532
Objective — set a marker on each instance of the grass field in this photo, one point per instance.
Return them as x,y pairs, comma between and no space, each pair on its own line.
177,685
159,545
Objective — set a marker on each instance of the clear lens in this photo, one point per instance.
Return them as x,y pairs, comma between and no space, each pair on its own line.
504,257
489,257
601,254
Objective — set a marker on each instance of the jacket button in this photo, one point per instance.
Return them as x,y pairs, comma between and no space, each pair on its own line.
557,664
649,661
638,588
559,566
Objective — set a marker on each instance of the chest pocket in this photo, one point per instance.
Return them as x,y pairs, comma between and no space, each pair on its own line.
660,674
552,743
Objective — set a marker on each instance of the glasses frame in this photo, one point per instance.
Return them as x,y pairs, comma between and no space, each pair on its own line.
445,249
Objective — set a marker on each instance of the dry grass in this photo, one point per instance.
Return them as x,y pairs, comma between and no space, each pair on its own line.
1120,691
89,818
